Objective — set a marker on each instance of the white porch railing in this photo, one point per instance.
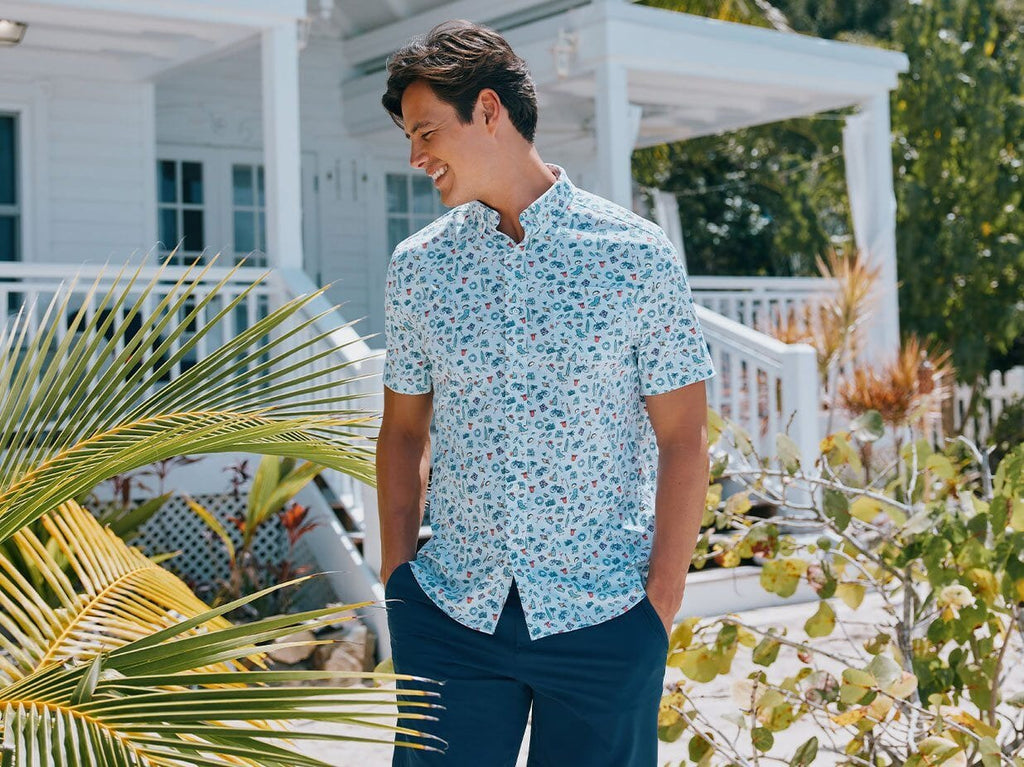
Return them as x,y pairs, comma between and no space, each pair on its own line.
764,385
754,301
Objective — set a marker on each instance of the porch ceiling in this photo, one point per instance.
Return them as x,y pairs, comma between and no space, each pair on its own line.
132,40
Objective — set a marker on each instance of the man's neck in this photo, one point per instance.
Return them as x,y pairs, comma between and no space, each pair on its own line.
526,181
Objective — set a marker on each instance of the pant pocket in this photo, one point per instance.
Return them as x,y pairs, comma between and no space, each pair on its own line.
654,619
394,578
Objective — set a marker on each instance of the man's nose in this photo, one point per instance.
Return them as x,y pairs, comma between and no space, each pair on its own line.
417,157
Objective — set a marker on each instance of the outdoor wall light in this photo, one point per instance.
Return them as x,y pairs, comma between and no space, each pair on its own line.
11,32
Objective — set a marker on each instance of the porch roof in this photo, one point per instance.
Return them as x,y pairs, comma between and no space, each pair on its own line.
696,76
133,39
690,75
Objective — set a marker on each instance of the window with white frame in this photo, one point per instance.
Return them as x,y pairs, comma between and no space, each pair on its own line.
215,198
412,203
180,201
10,194
248,214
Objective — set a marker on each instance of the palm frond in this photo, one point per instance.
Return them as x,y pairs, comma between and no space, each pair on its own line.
105,671
108,595
96,403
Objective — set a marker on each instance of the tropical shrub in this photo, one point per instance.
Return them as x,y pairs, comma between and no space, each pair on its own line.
935,545
106,658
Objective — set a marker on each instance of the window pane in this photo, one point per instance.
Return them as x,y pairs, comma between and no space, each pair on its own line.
167,180
169,227
241,182
259,186
193,225
245,236
8,162
398,194
9,238
398,230
422,194
192,183
261,243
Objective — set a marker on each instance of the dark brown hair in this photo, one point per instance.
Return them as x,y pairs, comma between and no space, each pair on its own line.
458,59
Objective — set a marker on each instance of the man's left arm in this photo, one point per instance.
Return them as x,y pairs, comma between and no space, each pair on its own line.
673,362
679,419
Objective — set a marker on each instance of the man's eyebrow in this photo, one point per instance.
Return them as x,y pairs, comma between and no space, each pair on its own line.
416,127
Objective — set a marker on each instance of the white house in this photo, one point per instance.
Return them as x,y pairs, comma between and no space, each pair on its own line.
243,125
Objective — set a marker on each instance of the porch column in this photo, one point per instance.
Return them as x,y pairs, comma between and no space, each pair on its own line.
867,145
281,152
615,133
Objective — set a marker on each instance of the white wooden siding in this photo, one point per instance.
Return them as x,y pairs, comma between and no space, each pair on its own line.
85,169
217,105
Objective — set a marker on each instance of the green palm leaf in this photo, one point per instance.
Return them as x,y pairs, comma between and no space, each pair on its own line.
74,412
270,490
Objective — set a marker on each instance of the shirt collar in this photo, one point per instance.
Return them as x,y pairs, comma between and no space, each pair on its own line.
539,214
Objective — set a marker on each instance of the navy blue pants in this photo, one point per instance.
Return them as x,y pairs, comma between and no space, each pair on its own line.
594,691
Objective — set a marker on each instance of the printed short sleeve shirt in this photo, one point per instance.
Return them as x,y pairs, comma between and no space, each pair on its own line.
539,354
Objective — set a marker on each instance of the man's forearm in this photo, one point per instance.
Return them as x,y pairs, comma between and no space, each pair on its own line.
402,469
679,507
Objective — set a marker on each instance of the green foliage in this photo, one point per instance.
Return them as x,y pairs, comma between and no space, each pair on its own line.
767,199
958,118
763,200
844,19
938,544
1008,430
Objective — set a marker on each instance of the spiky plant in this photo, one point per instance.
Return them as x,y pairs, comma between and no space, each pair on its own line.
848,307
908,392
833,323
907,389
106,659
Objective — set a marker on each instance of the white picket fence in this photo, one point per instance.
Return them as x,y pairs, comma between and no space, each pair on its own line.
756,301
1001,389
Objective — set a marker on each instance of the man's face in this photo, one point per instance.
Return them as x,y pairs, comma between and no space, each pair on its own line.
453,154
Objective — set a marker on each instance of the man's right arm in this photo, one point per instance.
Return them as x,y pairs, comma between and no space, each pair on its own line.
403,462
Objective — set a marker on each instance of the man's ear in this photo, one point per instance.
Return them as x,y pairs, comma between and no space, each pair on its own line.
490,108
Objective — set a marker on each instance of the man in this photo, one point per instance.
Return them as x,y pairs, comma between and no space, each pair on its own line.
551,336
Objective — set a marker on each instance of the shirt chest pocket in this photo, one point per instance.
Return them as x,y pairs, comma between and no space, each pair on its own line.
578,333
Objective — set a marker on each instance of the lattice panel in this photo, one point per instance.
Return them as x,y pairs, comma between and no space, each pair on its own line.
204,558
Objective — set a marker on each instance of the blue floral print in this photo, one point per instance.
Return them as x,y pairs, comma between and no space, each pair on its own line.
539,355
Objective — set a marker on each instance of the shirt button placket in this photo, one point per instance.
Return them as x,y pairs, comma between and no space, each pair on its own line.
508,393
514,404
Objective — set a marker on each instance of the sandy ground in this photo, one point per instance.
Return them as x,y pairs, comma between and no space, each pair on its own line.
714,699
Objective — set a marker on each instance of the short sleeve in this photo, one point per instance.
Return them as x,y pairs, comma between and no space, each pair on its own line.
671,350
406,365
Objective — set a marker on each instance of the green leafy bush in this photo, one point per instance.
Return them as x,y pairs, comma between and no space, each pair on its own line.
935,545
